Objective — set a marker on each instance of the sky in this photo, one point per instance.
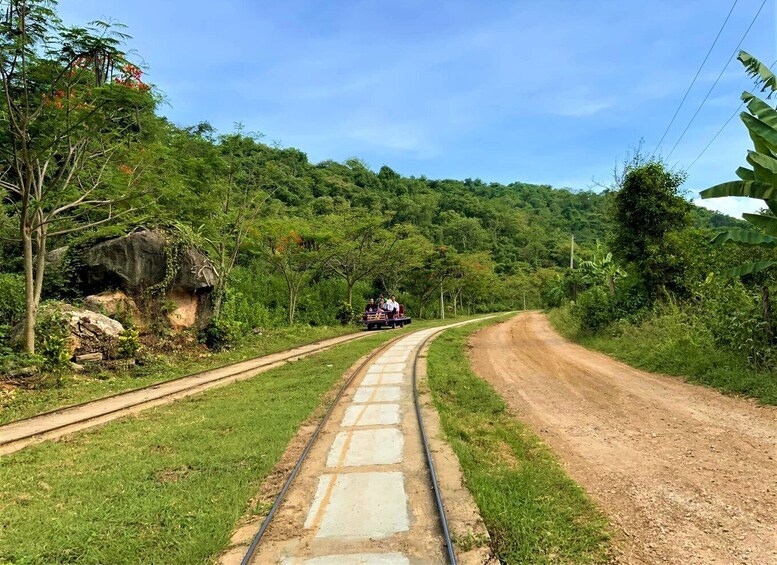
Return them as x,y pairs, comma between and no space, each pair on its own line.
540,91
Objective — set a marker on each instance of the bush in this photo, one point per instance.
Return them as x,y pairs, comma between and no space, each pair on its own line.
222,333
129,344
594,309
11,298
51,335
345,314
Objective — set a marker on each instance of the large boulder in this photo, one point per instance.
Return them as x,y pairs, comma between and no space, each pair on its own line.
91,332
133,262
88,332
138,262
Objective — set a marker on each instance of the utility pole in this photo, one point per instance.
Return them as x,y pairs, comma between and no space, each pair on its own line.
572,254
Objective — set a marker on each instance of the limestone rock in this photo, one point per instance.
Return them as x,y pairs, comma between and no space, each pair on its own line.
138,261
133,262
115,304
185,313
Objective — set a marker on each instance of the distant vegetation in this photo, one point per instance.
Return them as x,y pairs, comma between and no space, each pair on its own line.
686,301
86,158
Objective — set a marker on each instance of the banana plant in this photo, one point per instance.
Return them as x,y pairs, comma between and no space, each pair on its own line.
602,268
759,181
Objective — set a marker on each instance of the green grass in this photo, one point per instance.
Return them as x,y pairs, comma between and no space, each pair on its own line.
22,403
671,344
533,511
169,485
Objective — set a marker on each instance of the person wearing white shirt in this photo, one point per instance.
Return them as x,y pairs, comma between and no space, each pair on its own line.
391,305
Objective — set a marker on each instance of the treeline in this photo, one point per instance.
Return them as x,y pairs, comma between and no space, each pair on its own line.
87,158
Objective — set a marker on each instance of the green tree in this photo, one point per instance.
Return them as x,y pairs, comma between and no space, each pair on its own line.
365,246
647,207
69,107
297,250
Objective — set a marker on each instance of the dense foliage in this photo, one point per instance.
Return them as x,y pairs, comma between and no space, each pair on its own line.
293,241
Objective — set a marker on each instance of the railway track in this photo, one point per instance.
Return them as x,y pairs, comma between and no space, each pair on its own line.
354,479
53,424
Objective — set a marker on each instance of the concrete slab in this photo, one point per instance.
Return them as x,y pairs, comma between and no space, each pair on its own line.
366,447
363,506
361,559
371,415
383,379
392,357
386,368
377,394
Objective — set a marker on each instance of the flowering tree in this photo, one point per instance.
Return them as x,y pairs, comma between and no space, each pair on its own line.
295,253
69,108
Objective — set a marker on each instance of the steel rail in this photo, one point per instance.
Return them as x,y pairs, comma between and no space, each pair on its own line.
303,456
430,463
435,486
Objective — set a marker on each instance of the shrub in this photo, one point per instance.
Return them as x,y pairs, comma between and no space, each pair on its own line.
222,333
345,313
11,298
594,309
51,335
129,344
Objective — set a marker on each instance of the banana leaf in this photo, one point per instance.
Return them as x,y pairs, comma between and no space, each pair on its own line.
758,71
746,188
749,268
745,174
760,109
760,129
766,223
764,167
745,237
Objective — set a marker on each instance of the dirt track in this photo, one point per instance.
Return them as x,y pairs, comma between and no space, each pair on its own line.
685,474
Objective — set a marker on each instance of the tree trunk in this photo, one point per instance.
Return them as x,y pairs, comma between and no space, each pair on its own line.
611,284
292,304
766,312
30,311
442,304
350,293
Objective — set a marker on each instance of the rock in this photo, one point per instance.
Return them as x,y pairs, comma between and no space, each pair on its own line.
133,262
196,271
90,332
115,304
185,313
23,372
86,357
138,261
56,257
76,368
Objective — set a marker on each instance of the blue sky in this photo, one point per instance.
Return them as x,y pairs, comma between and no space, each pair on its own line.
541,91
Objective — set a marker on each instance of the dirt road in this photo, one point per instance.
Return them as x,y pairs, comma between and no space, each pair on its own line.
685,474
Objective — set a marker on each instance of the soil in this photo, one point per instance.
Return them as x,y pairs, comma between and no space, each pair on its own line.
685,474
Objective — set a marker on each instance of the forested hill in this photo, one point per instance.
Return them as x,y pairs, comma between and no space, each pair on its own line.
523,226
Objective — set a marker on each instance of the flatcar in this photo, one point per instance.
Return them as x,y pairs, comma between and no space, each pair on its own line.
380,319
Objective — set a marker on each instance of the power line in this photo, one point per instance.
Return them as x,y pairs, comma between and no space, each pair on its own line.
698,71
736,50
714,137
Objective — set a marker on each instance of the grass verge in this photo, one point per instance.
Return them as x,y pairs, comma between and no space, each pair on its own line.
18,403
168,485
673,345
533,511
